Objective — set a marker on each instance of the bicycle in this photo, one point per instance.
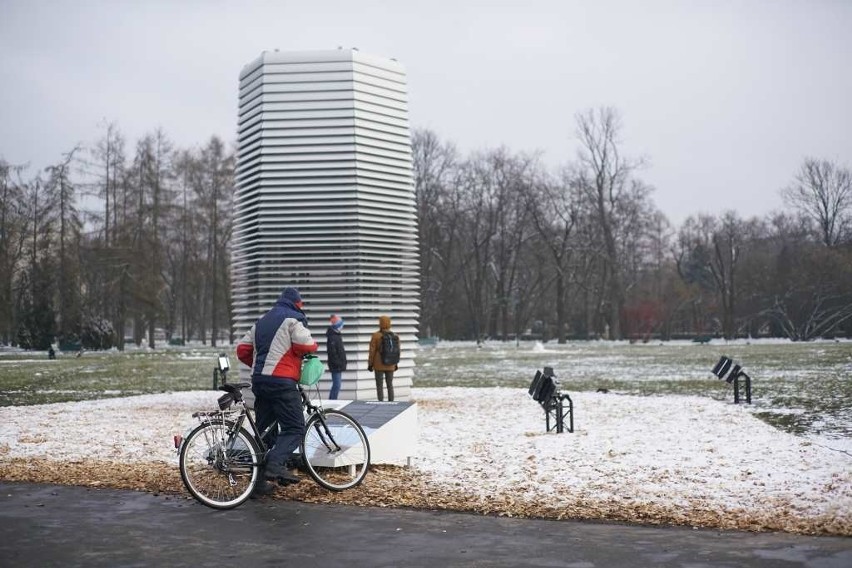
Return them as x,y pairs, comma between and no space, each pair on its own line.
221,459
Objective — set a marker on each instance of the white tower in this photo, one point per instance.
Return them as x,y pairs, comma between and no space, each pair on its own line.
324,201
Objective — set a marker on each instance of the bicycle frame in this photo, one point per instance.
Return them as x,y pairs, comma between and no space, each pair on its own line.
324,434
222,460
244,414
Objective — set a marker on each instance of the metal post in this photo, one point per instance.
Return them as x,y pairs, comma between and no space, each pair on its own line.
559,425
747,387
570,413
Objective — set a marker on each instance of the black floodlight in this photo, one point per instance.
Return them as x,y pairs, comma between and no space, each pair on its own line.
733,373
544,385
546,390
722,366
534,384
538,388
736,371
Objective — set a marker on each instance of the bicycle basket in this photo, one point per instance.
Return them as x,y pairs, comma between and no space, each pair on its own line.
312,370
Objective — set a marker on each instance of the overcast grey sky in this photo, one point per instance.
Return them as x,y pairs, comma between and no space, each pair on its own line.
723,98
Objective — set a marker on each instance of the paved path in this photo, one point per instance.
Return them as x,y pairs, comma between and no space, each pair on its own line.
48,525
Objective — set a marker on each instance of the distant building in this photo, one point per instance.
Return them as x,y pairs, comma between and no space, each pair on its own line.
325,202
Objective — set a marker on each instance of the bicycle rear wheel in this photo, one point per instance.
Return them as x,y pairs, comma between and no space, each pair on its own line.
218,465
335,450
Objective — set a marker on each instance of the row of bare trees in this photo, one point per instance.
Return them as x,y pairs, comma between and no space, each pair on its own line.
509,249
115,242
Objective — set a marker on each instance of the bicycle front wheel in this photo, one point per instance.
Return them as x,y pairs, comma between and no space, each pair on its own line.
335,450
220,465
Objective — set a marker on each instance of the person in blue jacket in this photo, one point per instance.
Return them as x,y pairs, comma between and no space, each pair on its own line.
273,348
336,354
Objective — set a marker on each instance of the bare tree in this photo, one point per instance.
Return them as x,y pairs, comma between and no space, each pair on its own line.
161,198
60,185
554,214
727,248
604,176
13,235
823,191
710,253
110,259
180,249
477,229
656,297
812,292
213,186
37,285
108,154
435,166
513,177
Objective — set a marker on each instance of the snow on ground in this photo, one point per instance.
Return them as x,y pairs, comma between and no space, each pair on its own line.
674,451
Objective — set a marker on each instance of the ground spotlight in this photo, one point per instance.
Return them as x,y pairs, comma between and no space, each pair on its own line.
557,405
722,367
732,371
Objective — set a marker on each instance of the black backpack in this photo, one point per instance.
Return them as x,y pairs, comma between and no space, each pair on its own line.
389,348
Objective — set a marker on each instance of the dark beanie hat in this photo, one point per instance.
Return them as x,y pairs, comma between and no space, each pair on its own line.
292,295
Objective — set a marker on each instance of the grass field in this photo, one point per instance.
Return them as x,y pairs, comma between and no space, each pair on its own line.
30,378
799,387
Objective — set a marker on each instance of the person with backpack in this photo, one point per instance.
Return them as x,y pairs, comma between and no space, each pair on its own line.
336,354
384,356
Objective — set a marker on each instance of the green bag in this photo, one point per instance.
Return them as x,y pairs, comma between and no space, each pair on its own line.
312,370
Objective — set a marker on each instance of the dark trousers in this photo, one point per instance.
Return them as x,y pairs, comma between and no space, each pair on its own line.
280,401
386,376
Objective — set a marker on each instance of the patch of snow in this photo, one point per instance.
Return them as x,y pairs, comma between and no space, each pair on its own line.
667,450
674,450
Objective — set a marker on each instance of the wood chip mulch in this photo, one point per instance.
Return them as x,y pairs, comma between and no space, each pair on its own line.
388,486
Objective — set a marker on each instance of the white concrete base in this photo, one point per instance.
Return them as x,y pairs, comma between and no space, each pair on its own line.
392,442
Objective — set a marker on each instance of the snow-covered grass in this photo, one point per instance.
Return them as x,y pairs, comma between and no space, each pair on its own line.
681,451
682,454
799,387
665,439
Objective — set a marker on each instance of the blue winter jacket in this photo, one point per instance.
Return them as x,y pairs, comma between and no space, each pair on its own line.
275,345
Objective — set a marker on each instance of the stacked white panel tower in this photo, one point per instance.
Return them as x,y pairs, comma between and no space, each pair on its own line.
324,201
